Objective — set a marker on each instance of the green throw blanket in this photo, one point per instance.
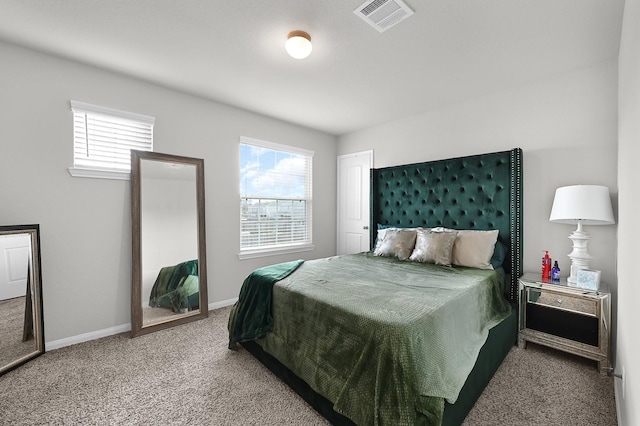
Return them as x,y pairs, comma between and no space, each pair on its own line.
251,317
177,287
385,341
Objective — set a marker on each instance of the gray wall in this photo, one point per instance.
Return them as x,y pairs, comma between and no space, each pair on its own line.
629,229
85,223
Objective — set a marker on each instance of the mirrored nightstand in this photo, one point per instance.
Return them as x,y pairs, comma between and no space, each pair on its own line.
567,318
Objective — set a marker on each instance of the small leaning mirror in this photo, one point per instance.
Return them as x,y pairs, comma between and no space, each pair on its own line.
169,280
21,319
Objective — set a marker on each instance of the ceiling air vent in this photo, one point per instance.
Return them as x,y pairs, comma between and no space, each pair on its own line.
383,14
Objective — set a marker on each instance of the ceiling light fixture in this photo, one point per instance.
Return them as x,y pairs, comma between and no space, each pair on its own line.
298,44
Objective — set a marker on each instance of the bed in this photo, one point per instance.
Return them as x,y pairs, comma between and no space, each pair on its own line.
369,339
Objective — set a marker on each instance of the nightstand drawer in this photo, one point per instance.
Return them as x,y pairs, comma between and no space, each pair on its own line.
560,322
586,306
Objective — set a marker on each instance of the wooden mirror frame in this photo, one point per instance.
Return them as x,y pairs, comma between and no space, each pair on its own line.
137,326
34,319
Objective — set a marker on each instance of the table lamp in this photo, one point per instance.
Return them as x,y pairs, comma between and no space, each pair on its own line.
581,205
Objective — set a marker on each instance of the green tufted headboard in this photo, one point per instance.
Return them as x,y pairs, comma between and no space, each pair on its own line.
475,192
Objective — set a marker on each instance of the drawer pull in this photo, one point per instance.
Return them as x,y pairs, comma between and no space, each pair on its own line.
559,301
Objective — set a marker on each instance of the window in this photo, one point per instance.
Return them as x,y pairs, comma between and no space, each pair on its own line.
103,139
275,198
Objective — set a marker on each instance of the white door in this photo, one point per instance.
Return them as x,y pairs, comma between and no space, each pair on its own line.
353,202
14,262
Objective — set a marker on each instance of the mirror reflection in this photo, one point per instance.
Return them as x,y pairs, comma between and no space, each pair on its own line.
169,230
169,284
21,324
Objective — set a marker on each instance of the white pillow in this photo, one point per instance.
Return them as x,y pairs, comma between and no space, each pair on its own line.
433,247
474,248
397,242
379,237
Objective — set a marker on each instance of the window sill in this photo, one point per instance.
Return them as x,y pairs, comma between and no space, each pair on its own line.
252,254
99,174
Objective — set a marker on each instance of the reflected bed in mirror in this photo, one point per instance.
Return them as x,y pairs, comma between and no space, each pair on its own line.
169,282
21,320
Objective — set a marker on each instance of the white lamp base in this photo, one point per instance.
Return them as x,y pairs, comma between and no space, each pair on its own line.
579,256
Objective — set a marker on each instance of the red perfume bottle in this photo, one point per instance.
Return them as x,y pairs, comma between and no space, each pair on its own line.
546,267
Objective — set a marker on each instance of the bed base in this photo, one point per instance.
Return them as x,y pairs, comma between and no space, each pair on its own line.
499,342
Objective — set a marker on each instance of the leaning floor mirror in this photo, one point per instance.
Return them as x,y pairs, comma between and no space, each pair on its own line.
169,276
21,319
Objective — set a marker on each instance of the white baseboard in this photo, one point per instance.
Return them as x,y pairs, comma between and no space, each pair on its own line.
80,338
222,304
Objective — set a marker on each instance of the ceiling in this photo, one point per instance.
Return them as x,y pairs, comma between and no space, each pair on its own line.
232,51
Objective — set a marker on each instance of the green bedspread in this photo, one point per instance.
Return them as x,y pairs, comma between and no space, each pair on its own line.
386,341
177,287
251,317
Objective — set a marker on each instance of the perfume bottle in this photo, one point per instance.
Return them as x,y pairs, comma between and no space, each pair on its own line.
555,272
546,267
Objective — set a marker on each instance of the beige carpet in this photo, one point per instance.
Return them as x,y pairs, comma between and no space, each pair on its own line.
187,376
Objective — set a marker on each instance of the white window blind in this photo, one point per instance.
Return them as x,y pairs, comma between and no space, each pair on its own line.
104,137
275,198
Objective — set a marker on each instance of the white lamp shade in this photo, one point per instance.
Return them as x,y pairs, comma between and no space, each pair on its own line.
298,44
587,204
